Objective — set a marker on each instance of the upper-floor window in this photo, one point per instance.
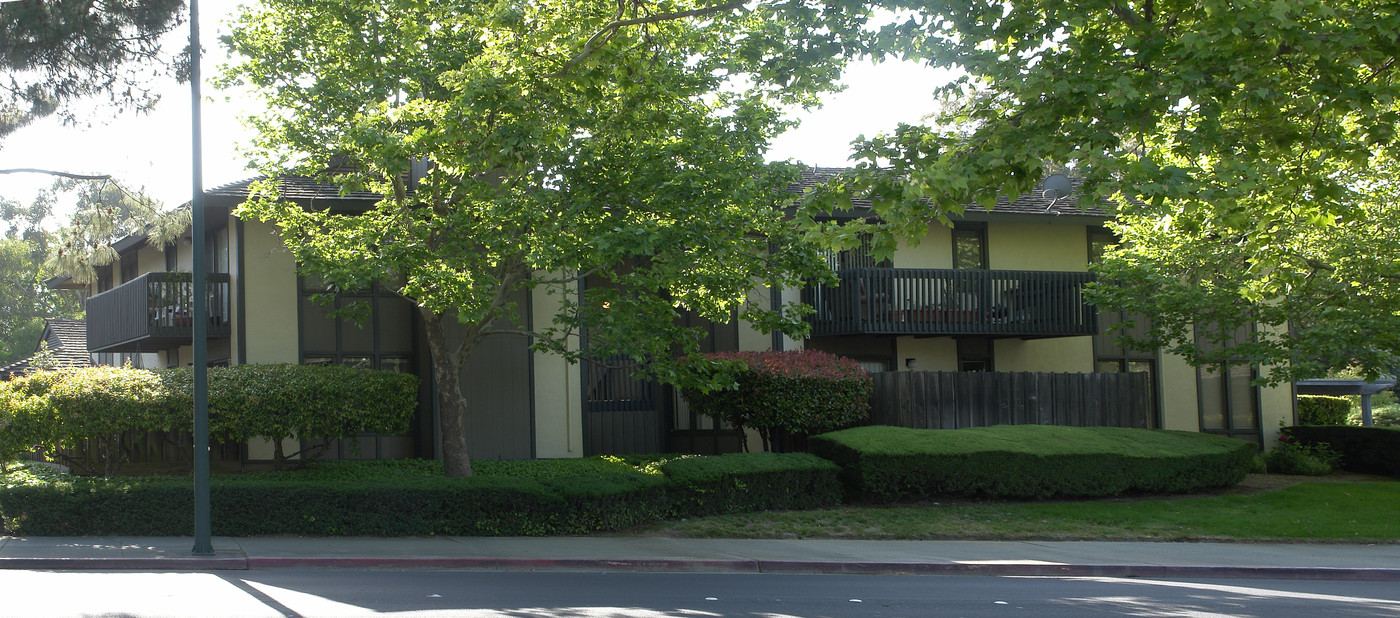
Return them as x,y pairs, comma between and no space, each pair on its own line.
970,246
129,263
104,278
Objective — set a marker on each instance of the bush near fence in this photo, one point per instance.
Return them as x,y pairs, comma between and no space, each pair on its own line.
782,392
337,498
1372,450
1030,461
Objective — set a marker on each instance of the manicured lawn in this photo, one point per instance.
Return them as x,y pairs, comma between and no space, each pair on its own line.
1323,511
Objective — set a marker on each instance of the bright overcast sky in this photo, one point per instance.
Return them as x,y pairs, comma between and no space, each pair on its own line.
153,150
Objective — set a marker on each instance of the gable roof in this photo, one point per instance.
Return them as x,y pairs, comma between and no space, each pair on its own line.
67,341
1034,203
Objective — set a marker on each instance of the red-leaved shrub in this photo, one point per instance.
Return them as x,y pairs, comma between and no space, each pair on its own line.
800,393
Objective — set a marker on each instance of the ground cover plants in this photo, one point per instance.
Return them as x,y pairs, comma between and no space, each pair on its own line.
1354,511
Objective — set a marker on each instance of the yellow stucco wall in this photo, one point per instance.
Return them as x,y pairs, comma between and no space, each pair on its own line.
1036,246
935,250
1178,386
1060,354
931,354
558,387
270,296
749,337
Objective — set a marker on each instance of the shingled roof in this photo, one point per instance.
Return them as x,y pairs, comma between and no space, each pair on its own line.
67,341
296,188
1033,203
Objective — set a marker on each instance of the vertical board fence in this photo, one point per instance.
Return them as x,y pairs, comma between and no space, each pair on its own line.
952,400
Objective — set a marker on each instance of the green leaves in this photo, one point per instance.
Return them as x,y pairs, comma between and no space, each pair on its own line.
1246,145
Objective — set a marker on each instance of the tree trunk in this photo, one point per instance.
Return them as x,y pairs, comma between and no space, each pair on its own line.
451,405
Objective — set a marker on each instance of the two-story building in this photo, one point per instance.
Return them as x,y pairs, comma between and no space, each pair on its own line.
1001,290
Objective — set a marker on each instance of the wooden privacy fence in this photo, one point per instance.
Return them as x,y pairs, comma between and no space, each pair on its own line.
952,400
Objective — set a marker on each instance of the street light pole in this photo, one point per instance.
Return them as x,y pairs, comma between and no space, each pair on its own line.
203,545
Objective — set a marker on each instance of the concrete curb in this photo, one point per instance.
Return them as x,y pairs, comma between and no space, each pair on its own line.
701,566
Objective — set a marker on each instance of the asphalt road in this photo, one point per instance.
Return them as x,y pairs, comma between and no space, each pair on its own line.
352,592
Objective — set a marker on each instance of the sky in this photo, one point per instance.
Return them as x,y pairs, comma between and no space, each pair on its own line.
154,150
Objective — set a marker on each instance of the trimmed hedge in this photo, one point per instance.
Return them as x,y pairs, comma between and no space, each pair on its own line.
1030,461
1323,410
1372,450
746,482
413,499
92,407
796,392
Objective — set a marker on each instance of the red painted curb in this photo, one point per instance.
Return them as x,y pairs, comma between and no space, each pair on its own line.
650,564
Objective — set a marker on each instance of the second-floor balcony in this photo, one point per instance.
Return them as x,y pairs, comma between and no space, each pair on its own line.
948,302
155,312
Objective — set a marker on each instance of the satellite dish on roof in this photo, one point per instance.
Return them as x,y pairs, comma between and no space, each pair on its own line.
1057,186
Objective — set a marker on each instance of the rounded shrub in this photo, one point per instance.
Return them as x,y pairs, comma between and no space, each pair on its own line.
800,393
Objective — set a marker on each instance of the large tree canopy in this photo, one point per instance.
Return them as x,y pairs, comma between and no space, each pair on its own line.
557,141
1250,147
57,52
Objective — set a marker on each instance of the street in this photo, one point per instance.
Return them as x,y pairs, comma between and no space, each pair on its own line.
355,592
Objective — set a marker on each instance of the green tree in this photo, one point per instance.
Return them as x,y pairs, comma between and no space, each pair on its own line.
25,301
105,213
558,140
58,52
1249,146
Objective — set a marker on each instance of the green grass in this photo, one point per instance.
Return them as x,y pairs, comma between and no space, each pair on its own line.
1329,511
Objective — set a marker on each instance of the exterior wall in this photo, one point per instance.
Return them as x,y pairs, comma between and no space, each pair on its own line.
1180,405
1037,246
935,250
558,389
270,297
931,354
749,337
1061,354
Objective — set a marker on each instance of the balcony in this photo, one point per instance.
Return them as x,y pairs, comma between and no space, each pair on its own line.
946,302
153,312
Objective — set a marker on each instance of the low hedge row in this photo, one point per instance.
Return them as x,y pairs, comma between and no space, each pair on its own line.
341,504
1030,461
1373,450
743,482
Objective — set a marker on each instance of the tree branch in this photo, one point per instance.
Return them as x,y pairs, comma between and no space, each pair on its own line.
1125,14
607,31
30,170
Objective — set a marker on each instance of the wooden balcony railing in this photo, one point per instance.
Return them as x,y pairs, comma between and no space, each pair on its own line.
154,312
937,302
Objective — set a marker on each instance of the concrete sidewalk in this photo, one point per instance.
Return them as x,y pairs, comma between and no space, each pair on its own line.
1063,558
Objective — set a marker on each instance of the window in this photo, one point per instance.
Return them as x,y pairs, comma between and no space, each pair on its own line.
104,278
368,329
1109,355
975,354
970,246
128,262
1228,399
